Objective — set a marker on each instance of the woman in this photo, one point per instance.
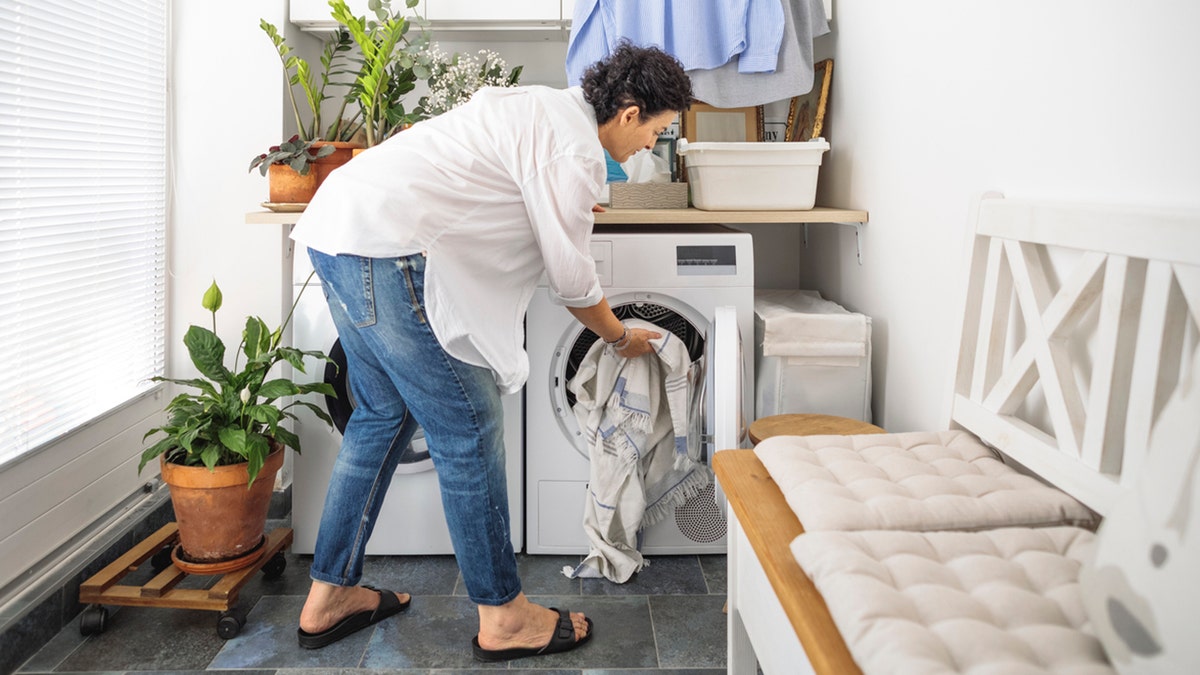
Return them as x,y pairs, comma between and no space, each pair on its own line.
429,247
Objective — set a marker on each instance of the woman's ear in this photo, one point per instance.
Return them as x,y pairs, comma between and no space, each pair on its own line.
630,114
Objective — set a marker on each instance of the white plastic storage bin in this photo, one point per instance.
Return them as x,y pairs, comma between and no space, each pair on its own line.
746,176
811,356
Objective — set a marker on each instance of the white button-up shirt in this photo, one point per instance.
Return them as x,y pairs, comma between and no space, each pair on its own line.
494,193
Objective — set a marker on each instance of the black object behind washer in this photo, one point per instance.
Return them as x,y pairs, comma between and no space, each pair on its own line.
337,375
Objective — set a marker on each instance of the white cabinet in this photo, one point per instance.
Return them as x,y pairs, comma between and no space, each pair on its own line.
523,11
482,19
316,14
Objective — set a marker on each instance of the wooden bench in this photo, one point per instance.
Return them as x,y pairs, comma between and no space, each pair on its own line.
1130,282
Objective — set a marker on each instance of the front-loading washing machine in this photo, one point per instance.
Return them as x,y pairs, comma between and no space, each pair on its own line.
696,281
411,521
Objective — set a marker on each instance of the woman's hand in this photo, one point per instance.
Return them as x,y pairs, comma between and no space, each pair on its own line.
626,341
638,343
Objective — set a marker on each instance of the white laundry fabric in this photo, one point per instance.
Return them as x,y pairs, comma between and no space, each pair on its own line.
634,413
999,602
803,324
921,480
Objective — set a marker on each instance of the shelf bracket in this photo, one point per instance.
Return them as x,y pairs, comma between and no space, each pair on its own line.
858,228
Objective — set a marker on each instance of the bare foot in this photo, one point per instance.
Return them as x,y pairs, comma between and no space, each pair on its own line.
520,623
328,604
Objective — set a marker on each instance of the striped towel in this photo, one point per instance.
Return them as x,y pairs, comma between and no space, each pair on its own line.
634,414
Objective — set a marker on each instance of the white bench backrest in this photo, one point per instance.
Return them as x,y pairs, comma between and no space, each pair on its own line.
1029,307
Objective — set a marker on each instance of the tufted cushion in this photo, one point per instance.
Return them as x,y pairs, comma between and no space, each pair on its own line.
998,602
945,480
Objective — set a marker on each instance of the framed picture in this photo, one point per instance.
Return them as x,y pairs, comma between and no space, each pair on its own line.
703,122
806,113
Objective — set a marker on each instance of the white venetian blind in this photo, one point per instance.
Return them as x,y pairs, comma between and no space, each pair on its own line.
83,208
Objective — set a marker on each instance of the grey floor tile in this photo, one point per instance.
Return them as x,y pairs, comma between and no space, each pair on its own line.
436,633
666,620
689,630
715,573
424,575
55,651
268,640
205,672
149,638
657,671
623,636
542,574
666,575
42,625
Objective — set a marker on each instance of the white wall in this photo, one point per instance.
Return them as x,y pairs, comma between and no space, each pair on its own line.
227,104
935,101
227,108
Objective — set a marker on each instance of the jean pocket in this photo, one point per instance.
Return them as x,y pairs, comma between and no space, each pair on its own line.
414,279
348,281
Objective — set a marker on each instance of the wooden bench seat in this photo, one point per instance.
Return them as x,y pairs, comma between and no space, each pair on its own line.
760,514
1077,323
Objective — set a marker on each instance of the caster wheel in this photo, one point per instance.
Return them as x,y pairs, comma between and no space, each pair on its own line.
161,560
274,567
229,625
93,621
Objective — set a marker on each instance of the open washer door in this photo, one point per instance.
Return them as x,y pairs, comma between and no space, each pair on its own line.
724,424
413,459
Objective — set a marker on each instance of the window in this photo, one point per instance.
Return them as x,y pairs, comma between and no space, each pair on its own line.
83,210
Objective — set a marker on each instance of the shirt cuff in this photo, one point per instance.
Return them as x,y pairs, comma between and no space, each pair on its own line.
593,297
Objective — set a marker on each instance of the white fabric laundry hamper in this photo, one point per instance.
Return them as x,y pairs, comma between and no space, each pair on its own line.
811,356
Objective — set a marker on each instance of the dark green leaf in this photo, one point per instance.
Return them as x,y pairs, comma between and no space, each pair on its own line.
207,352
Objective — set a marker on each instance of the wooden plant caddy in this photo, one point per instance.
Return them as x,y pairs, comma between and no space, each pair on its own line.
104,587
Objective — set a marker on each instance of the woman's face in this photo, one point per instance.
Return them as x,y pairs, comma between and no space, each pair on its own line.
631,131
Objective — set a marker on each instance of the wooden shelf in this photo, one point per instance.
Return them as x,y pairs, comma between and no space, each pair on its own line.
819,214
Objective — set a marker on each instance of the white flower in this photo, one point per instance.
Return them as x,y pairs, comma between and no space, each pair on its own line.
245,395
453,80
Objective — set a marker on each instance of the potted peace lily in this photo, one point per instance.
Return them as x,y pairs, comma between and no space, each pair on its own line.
223,440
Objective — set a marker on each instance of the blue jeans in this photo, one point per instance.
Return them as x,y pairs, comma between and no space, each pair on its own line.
401,377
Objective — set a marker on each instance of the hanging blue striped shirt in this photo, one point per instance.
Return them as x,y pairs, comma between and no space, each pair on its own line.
700,33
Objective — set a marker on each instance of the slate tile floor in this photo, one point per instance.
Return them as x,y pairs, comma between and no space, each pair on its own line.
668,619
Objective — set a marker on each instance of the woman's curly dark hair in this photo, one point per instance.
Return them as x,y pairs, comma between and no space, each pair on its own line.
647,77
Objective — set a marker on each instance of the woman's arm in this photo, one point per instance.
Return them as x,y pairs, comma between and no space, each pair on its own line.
600,319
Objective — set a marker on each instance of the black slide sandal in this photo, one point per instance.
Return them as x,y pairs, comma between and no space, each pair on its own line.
563,640
389,605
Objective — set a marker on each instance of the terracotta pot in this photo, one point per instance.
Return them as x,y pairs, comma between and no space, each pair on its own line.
288,187
343,152
219,518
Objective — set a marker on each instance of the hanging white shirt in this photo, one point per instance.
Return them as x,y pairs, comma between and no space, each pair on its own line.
494,193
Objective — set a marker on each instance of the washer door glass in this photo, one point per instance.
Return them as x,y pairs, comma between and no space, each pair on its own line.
415,457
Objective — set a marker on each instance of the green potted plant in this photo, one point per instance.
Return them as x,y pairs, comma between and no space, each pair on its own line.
391,61
334,71
290,165
223,441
